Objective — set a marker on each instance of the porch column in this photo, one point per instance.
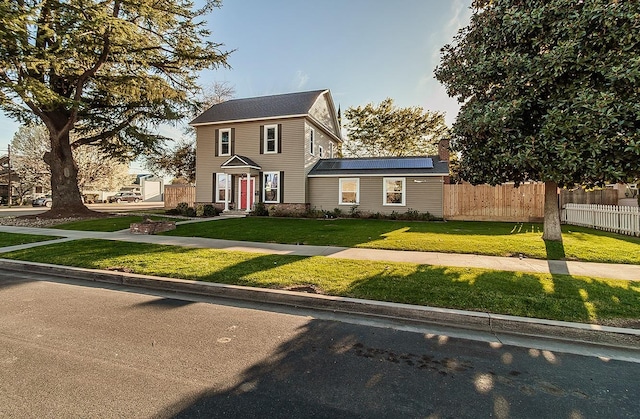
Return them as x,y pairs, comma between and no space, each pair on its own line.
249,191
226,192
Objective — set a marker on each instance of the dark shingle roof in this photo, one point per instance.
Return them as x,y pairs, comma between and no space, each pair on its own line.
260,107
381,165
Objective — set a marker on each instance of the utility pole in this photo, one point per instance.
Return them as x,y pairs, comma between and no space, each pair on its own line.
9,162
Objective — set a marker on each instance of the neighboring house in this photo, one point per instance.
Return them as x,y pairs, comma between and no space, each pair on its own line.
283,150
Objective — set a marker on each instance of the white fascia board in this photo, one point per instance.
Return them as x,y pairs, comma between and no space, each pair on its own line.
235,121
324,129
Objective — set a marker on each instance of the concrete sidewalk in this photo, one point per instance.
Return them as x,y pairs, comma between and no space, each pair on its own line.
596,270
505,328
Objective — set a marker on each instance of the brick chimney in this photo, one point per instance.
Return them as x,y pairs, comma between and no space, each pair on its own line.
443,149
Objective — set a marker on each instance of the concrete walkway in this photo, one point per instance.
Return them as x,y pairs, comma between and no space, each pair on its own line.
596,270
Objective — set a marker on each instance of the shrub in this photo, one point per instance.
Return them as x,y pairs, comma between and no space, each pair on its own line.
190,212
200,210
260,210
210,211
182,208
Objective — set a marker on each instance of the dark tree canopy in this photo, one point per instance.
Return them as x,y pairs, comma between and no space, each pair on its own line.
111,71
550,91
180,161
386,130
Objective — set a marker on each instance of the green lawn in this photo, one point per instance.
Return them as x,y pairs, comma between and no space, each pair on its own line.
485,238
13,239
106,224
559,297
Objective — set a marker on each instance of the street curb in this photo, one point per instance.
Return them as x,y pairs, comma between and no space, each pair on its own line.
469,320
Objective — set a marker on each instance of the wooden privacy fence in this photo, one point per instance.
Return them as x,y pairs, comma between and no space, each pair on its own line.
174,194
580,196
494,203
618,219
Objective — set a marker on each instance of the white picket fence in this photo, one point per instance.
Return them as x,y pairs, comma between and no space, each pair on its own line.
618,219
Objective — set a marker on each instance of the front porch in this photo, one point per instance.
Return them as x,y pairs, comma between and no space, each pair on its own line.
237,184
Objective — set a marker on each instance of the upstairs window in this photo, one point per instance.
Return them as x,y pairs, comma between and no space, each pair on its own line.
320,152
270,139
311,144
394,191
224,142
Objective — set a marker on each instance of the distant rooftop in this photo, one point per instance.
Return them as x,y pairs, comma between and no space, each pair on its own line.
288,104
381,165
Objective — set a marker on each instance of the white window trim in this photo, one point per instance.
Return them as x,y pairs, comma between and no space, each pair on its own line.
357,191
218,189
404,191
331,151
275,140
264,188
227,130
311,141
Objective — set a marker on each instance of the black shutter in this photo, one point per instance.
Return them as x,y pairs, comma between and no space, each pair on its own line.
233,141
217,143
215,187
233,188
261,139
259,183
281,188
279,138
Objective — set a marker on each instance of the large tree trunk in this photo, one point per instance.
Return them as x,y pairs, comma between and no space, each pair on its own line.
67,201
552,229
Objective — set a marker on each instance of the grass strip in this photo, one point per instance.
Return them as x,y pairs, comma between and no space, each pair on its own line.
14,239
109,224
559,297
483,238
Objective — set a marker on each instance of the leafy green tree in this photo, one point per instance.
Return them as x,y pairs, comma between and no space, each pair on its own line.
384,130
110,71
550,93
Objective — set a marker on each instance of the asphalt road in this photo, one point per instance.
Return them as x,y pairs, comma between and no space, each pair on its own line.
79,350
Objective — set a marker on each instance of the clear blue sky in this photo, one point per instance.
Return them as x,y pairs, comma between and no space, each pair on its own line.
362,50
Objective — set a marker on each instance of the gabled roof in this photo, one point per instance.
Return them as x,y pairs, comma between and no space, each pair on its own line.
290,104
419,166
240,161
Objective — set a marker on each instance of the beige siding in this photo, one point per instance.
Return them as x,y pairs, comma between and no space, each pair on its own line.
423,194
205,165
247,143
322,112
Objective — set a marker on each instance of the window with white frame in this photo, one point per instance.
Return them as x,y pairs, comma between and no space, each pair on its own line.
224,142
223,182
394,191
311,140
331,151
271,187
270,139
349,191
320,152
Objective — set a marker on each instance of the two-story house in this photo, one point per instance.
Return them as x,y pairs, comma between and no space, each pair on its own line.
283,150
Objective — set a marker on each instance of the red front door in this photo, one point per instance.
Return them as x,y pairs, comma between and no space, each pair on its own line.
243,194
